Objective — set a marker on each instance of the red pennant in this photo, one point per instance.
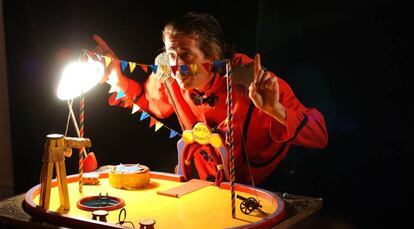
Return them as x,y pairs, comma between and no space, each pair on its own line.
174,69
207,66
152,122
144,67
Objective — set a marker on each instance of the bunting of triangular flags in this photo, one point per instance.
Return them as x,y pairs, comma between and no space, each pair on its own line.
215,65
113,81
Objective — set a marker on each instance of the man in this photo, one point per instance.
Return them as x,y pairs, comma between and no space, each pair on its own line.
267,117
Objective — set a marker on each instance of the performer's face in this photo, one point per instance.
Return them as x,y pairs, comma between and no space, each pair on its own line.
183,50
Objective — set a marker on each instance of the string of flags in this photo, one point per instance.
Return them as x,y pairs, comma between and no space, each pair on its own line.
112,81
144,115
216,65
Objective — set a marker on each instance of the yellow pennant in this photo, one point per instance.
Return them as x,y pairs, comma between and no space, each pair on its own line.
158,125
132,66
107,60
193,68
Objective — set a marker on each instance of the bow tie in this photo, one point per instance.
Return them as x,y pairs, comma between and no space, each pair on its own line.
198,99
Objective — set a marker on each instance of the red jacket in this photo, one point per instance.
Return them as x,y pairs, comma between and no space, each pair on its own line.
266,141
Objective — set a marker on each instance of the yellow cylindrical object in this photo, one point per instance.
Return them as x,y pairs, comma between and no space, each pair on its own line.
129,180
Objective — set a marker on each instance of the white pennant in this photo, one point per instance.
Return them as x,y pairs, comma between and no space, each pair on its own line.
135,108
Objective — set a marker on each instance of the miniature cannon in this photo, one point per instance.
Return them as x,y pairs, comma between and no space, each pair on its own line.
248,205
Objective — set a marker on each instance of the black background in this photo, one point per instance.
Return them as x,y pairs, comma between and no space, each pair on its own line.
347,58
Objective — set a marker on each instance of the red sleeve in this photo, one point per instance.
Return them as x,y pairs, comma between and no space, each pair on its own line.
155,100
304,126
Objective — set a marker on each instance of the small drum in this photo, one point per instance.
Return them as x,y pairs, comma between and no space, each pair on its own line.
129,176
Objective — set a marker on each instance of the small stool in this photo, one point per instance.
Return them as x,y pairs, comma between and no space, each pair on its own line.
99,215
146,223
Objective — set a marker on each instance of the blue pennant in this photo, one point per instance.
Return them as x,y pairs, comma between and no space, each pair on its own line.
173,133
217,64
183,69
124,64
144,115
120,94
154,68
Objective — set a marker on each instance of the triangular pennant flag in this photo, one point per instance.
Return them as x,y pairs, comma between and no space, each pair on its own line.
207,66
152,122
124,64
120,94
132,66
144,115
144,67
173,133
154,68
135,108
174,69
107,60
158,125
193,68
183,69
217,65
113,81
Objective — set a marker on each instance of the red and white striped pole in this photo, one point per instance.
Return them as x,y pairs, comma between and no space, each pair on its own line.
230,140
81,150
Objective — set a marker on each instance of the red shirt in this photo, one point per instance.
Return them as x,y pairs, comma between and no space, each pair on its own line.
256,134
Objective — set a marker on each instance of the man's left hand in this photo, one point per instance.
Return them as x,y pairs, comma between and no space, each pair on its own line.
264,92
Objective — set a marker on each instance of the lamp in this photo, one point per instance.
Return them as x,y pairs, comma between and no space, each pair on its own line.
78,78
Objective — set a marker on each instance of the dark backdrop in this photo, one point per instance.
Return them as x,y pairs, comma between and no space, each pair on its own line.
344,57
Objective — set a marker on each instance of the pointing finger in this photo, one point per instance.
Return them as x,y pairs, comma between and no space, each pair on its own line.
103,45
256,67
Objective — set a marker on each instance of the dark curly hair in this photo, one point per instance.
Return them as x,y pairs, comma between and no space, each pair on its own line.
205,29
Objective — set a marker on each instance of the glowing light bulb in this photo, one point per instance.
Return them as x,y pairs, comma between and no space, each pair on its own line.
79,77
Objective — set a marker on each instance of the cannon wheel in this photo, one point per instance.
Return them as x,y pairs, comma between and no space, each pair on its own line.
247,206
